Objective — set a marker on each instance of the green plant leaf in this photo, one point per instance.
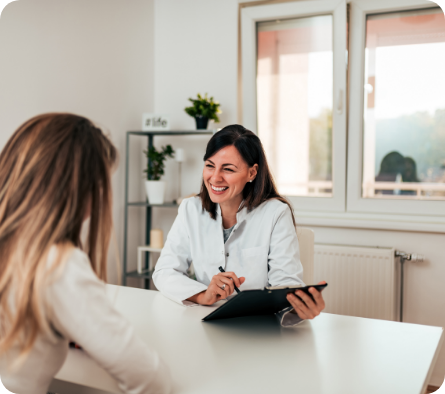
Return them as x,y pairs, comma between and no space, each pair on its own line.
156,161
204,106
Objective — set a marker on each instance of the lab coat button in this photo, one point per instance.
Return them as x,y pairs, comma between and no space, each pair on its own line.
227,255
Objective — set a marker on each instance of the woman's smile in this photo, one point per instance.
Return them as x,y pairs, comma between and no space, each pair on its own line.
218,189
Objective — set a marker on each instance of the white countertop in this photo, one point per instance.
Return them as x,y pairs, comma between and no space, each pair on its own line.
329,355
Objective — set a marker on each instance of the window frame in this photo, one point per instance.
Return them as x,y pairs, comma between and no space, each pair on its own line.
355,202
337,8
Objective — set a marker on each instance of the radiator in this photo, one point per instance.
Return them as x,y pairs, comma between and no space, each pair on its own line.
362,281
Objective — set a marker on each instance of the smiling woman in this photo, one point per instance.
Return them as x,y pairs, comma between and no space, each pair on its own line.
239,222
235,161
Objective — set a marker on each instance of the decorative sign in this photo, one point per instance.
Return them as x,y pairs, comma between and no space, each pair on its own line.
155,122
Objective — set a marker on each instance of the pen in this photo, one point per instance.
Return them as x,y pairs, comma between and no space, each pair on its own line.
236,288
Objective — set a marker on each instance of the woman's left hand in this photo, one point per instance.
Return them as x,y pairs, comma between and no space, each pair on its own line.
305,306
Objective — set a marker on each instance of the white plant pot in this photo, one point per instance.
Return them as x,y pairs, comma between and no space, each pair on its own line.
155,191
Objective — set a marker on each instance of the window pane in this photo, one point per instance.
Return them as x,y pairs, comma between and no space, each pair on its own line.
404,116
294,103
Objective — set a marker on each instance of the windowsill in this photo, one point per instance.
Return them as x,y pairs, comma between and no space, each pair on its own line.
429,224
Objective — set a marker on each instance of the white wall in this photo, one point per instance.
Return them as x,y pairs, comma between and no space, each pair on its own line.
93,58
196,51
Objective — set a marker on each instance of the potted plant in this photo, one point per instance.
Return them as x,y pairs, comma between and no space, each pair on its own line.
202,110
154,187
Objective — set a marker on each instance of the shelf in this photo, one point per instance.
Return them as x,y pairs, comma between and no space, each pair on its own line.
173,132
135,274
146,204
149,137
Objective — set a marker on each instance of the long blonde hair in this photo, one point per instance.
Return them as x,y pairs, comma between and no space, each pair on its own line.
54,171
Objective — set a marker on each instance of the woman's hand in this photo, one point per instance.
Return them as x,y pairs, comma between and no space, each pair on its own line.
220,287
304,305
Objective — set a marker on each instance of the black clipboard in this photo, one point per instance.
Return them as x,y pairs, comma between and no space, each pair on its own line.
259,302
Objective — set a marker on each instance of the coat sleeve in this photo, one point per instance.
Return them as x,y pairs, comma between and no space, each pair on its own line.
170,276
80,311
285,267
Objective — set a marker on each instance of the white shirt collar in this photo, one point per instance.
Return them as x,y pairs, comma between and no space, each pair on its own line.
240,215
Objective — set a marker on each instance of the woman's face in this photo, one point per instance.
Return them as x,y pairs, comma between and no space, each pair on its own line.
225,174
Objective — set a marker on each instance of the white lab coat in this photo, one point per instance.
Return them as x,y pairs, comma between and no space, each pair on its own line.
263,247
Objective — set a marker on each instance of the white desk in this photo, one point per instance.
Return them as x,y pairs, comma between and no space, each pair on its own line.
329,355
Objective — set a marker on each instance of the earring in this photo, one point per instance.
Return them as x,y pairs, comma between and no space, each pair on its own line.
251,181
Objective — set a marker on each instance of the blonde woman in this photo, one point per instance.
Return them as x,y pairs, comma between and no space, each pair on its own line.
55,174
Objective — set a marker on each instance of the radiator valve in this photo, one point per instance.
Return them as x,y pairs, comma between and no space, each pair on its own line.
410,256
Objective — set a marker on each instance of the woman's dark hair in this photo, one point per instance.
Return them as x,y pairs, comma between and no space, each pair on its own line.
251,150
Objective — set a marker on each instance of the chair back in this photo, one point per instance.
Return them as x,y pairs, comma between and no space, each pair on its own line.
306,240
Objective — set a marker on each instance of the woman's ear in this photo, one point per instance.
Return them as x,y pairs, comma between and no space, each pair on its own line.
253,171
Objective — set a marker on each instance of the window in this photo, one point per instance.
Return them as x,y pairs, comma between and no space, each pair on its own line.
396,135
294,102
295,63
294,84
404,111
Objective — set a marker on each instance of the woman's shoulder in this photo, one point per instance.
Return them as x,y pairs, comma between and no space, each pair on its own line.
191,205
68,261
271,209
67,253
274,206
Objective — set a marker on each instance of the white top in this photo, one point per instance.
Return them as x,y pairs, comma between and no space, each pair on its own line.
326,355
263,247
79,311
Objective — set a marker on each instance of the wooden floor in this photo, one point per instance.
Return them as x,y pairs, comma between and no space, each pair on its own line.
431,389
